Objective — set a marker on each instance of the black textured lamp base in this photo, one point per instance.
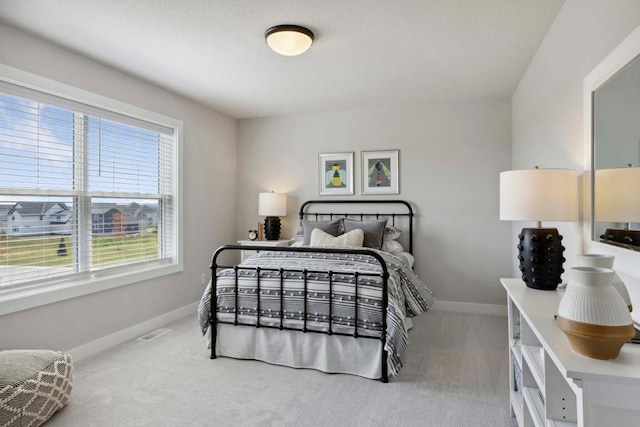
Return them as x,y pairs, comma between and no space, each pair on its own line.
540,253
272,228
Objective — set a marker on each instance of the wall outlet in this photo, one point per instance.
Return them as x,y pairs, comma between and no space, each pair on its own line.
203,279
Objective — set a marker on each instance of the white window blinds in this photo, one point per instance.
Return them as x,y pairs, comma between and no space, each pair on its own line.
82,190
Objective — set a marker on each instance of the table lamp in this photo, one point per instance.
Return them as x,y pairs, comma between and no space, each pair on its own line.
539,195
617,199
272,205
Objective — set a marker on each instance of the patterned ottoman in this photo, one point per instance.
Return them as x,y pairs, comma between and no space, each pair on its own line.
34,384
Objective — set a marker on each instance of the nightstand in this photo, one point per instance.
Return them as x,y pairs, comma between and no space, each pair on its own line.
272,243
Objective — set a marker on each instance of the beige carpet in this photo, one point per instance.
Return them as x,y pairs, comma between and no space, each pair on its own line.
456,376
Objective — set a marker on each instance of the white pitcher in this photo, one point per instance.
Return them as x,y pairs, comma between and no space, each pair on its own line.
606,261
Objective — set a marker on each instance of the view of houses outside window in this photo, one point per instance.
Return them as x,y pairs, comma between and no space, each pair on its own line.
79,193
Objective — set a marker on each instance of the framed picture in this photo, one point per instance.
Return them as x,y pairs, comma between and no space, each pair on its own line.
335,173
380,173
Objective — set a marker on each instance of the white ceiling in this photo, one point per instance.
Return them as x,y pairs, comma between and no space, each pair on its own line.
367,53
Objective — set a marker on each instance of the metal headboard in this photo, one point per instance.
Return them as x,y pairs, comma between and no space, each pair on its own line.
407,212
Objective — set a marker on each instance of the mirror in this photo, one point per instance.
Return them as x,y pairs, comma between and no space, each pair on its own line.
616,158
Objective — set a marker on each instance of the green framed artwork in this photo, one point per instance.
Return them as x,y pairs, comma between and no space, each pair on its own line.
380,172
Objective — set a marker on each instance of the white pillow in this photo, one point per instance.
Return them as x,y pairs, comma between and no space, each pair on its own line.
406,258
392,246
354,238
298,239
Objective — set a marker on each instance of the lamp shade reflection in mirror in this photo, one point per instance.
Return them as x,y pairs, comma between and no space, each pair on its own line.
615,147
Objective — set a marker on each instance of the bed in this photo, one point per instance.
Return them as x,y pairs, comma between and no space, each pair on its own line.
334,309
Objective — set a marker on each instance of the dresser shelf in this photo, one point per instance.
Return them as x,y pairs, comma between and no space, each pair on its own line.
550,385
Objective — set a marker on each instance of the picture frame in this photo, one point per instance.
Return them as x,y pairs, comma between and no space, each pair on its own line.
380,172
335,173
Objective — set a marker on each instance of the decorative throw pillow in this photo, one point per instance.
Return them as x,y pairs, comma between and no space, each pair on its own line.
331,227
373,231
391,232
354,238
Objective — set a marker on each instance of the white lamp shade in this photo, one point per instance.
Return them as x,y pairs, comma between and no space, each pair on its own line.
617,195
289,42
539,195
272,204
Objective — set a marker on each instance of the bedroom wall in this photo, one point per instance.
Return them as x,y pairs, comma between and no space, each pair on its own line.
209,158
547,107
450,157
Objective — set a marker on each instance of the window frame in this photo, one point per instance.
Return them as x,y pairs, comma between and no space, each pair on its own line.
26,297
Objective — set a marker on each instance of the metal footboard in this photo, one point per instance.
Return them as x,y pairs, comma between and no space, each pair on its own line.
305,328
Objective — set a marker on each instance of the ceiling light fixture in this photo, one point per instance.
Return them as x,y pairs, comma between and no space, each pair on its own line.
289,40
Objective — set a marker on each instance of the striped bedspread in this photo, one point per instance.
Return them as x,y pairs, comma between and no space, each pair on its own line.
408,296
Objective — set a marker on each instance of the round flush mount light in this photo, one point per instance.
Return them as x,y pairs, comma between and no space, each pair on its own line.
289,40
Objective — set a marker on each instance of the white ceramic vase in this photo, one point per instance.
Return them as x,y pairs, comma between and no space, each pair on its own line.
593,315
606,261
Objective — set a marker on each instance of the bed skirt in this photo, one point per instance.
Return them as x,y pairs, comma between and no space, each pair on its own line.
326,353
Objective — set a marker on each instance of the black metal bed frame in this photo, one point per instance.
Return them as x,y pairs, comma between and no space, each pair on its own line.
393,215
384,274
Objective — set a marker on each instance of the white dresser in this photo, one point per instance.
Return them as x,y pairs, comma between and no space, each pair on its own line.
271,243
550,385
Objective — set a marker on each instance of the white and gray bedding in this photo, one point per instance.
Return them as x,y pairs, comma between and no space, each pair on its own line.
407,296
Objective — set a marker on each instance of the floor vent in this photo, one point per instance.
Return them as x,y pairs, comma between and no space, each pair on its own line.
154,334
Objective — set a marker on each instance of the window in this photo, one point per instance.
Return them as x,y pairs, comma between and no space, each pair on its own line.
86,194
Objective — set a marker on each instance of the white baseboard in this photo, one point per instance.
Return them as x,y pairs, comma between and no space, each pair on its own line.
470,307
104,343
101,344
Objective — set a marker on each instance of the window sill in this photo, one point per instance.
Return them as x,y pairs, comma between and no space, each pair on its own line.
18,300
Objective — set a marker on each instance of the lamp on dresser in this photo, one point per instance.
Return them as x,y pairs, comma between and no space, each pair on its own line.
272,205
617,199
539,195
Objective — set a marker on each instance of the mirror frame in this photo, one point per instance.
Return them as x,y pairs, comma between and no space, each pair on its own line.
618,58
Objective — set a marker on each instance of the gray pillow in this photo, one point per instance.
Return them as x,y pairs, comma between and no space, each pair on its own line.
331,227
373,231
